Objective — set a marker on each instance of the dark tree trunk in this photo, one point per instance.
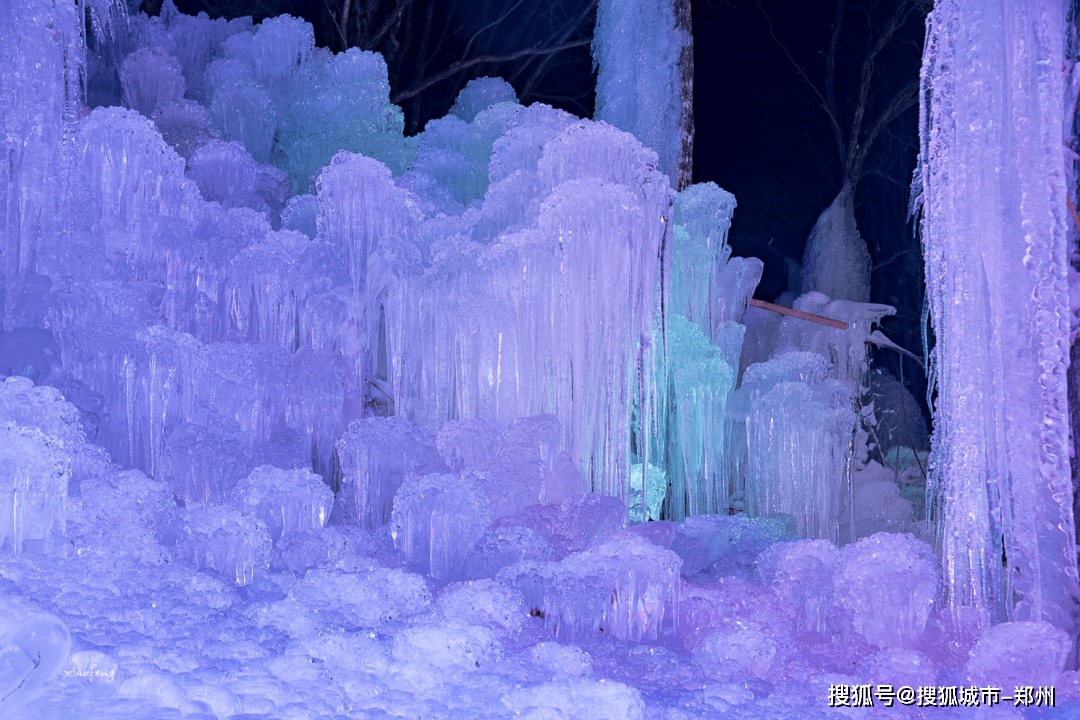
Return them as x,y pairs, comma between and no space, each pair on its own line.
685,169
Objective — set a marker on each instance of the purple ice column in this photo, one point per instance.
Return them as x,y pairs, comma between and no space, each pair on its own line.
992,177
39,86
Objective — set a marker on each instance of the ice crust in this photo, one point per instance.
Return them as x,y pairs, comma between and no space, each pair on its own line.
301,418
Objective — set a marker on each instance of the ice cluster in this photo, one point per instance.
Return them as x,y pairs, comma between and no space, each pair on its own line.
303,418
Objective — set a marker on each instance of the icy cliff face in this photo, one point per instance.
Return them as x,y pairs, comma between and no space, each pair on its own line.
992,177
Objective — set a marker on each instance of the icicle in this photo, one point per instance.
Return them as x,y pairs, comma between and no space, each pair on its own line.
994,237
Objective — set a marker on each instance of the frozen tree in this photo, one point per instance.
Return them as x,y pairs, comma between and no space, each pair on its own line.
859,109
993,199
644,52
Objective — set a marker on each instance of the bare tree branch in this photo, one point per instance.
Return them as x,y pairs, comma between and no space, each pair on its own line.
901,102
391,22
460,65
570,29
854,155
830,78
833,119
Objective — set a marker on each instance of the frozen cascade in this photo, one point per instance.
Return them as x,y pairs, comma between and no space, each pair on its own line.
538,322
432,359
701,380
699,251
39,86
375,456
798,430
993,198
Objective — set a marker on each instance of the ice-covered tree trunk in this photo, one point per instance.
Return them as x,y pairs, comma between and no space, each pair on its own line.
644,53
836,261
994,237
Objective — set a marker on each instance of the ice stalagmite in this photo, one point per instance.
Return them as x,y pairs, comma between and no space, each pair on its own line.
992,176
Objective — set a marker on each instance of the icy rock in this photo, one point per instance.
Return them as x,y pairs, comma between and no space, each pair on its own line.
898,667
699,246
659,532
577,700
798,431
503,546
34,472
585,519
449,647
216,538
361,600
42,408
470,443
802,573
287,501
130,186
564,481
184,125
89,404
244,112
161,689
836,261
299,215
31,353
484,603
521,147
221,701
561,659
878,504
700,381
226,173
345,547
150,79
202,464
34,646
732,602
479,94
888,583
301,551
375,456
125,512
345,653
339,102
276,53
509,488
436,520
731,540
736,651
624,587
1020,653
264,288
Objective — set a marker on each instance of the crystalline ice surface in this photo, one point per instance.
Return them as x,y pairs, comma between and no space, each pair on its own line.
436,520
637,48
287,501
466,353
997,290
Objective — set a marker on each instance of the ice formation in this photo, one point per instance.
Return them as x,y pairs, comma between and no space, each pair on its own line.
836,261
996,279
301,418
637,48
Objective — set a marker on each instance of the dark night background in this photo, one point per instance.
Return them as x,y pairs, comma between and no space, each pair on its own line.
761,131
